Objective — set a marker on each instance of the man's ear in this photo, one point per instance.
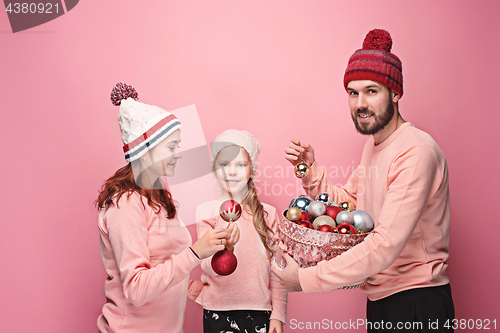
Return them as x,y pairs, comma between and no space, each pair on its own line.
395,96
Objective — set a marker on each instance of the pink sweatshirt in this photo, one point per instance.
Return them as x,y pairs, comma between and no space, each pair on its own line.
403,184
252,286
148,261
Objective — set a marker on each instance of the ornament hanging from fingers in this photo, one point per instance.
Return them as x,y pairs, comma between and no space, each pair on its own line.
302,170
224,262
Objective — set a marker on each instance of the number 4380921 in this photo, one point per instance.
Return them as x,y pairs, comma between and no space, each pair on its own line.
32,8
478,324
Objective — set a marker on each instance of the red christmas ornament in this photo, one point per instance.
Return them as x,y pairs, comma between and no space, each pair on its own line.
305,217
326,228
346,229
332,211
230,210
224,262
306,224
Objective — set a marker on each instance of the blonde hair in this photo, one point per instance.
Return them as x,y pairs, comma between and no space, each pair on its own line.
259,215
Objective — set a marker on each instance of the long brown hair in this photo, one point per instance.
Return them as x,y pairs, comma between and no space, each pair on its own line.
259,214
123,182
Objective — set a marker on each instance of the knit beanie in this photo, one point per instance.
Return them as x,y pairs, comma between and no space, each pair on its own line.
243,139
143,126
375,62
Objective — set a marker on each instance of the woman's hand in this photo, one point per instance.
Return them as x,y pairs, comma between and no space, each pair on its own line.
275,326
234,235
295,148
212,241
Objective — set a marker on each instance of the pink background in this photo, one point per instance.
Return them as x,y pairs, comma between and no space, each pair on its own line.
274,68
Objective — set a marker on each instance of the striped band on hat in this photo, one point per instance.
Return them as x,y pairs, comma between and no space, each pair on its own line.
151,138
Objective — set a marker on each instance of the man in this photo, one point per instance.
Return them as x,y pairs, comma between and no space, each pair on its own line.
402,182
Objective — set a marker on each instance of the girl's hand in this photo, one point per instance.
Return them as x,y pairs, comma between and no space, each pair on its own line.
212,241
234,235
292,152
275,326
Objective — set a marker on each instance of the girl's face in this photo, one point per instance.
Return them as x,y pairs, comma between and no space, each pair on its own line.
233,169
163,157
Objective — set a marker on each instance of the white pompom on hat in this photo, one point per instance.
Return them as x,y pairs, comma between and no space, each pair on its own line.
143,126
243,139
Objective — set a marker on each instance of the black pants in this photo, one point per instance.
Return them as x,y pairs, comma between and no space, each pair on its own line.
415,310
236,321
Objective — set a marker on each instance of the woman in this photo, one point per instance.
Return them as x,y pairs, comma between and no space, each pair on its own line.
145,247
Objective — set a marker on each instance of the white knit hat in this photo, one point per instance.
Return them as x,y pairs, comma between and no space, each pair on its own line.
143,126
234,137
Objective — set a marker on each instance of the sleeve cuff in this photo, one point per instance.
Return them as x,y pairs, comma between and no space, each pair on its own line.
309,281
313,176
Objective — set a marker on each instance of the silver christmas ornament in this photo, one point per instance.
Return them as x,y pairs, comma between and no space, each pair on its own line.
362,220
344,216
316,208
322,197
301,202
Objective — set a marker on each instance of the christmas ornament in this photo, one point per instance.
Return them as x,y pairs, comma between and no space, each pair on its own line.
301,202
346,205
346,229
306,224
362,221
333,211
316,208
333,204
323,219
230,210
322,197
305,217
294,214
224,262
302,170
326,228
344,216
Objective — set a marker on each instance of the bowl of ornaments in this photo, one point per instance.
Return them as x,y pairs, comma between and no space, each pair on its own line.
314,230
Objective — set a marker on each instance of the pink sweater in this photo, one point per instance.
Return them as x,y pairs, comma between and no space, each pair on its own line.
403,184
252,286
148,261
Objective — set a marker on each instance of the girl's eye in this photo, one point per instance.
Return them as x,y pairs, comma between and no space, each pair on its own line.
224,164
241,165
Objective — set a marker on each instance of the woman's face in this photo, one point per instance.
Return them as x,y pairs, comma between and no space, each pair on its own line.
161,160
233,169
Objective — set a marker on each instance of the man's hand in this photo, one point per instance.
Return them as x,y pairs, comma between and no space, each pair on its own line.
295,148
289,276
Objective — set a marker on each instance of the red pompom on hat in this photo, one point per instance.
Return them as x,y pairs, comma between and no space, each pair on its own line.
375,62
123,91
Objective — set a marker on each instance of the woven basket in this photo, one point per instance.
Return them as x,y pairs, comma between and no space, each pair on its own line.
308,246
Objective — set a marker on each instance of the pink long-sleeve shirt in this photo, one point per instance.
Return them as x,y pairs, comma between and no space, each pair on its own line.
148,262
252,286
403,184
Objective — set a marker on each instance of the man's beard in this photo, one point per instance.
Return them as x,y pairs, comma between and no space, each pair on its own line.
379,121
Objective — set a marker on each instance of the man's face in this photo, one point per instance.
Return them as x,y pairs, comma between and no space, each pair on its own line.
371,106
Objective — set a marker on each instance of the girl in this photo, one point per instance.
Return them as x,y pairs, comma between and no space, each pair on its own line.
145,247
251,299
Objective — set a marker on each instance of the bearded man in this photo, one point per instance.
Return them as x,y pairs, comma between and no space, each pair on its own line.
404,258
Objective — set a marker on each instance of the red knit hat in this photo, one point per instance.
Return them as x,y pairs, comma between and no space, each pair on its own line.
375,62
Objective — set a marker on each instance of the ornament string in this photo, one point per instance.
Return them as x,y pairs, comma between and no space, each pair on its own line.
230,197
